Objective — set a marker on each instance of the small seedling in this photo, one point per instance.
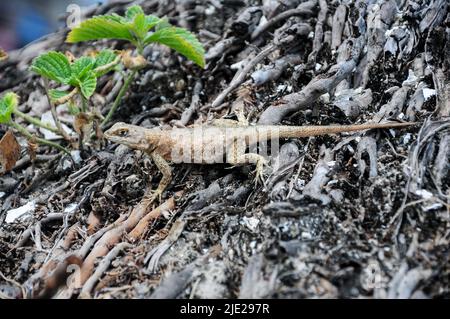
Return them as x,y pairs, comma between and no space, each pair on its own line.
140,30
81,74
8,107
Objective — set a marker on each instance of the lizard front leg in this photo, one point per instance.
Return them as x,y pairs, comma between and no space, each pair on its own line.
166,171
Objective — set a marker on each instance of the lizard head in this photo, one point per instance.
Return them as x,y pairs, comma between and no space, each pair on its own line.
129,135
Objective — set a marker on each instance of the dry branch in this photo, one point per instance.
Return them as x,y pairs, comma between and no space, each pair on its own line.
305,9
309,94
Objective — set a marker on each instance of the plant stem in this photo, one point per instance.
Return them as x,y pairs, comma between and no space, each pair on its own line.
119,96
83,104
140,48
36,121
28,135
54,114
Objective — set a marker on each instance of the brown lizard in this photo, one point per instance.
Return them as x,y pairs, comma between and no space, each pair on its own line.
225,141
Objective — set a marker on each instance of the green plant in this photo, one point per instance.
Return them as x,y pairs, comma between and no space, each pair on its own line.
135,27
81,74
140,30
8,107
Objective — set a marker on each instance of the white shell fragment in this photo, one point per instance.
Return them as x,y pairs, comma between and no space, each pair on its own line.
48,135
424,193
76,156
70,208
250,222
18,213
411,80
428,93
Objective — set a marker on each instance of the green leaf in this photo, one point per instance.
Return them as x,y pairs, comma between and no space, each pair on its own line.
161,24
88,85
115,17
141,22
57,94
101,27
82,66
52,65
140,26
62,97
133,27
182,41
104,59
133,11
7,105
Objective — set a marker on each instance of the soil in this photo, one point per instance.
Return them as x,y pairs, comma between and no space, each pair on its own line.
361,215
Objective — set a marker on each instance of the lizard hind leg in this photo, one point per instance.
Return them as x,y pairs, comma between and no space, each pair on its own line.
166,171
258,160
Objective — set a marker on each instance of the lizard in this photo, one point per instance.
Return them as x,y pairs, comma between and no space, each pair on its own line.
225,141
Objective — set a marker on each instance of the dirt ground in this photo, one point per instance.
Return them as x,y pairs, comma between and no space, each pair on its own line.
355,215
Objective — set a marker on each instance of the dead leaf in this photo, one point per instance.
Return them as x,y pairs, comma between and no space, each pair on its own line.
9,151
133,62
32,147
98,131
81,119
83,126
70,56
3,54
91,52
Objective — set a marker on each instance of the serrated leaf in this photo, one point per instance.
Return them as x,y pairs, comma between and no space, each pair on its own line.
104,57
7,105
133,11
61,97
140,26
133,27
161,24
104,62
52,65
153,21
115,17
57,94
182,41
80,67
88,86
100,27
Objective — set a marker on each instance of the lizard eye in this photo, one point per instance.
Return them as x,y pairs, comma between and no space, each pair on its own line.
123,133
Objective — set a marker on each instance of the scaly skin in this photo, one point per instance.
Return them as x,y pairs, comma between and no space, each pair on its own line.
216,144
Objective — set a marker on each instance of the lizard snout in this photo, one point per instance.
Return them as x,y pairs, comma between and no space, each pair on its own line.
118,130
126,134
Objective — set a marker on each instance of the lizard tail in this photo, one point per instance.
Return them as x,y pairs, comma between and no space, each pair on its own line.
305,131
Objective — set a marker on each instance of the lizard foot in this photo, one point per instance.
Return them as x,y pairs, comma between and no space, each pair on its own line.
252,158
259,171
152,196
